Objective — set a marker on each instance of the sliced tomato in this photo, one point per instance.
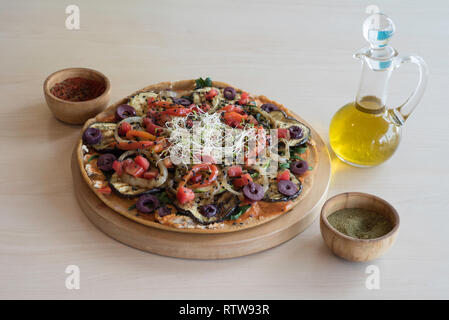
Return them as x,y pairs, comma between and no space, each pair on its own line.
282,133
177,111
154,129
234,119
185,195
211,94
283,175
117,166
124,128
235,171
105,190
151,174
143,162
196,178
244,98
242,181
252,120
134,169
232,108
126,162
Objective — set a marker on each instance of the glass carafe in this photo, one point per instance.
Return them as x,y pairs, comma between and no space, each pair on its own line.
365,132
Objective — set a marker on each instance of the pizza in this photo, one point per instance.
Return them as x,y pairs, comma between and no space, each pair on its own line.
197,156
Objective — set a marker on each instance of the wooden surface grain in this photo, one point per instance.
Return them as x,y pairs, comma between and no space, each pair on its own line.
296,52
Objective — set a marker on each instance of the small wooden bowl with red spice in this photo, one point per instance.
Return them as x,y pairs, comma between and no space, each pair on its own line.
75,95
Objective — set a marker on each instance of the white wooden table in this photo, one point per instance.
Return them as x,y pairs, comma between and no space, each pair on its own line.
296,52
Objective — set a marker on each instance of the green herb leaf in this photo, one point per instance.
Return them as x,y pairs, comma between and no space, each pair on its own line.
299,150
93,157
202,83
163,197
310,168
295,156
284,165
132,207
254,175
239,212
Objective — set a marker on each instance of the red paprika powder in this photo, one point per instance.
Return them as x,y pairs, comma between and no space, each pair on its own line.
78,89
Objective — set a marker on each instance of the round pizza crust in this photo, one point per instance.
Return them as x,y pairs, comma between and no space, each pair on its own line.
273,210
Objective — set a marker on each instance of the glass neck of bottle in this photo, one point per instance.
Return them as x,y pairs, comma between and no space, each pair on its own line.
372,93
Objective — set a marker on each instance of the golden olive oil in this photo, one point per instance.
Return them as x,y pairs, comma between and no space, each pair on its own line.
363,133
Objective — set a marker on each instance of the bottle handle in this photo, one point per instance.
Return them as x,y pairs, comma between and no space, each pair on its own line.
401,113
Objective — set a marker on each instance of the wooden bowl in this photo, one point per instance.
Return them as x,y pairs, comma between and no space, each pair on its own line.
350,248
76,112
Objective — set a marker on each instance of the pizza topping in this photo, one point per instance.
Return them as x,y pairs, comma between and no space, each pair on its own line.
269,107
299,167
135,145
235,171
211,94
141,135
92,136
164,211
295,132
185,195
147,203
287,187
208,210
244,98
105,161
283,175
105,190
182,101
117,166
123,128
229,93
253,191
124,111
242,181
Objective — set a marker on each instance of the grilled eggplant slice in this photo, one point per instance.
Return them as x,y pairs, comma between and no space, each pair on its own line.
282,120
139,101
126,190
107,135
225,202
273,195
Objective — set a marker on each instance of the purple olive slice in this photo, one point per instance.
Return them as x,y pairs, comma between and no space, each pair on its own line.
147,203
229,93
287,187
92,136
208,210
299,167
269,107
182,101
253,191
295,132
164,211
124,111
105,161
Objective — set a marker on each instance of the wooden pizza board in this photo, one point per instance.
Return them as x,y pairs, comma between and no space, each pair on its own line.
207,246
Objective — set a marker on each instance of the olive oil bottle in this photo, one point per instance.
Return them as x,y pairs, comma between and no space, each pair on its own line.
365,132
